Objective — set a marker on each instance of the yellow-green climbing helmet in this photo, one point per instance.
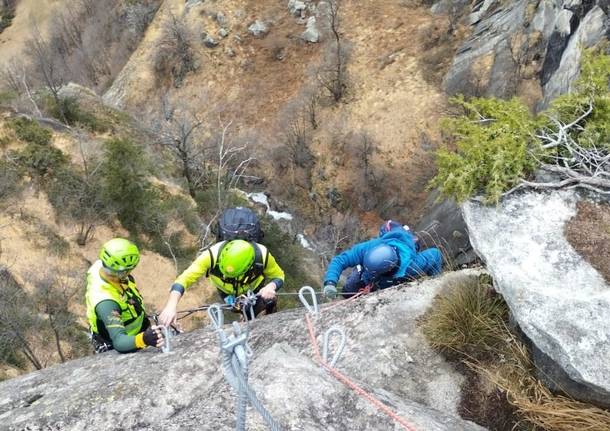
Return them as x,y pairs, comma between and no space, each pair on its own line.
119,255
236,258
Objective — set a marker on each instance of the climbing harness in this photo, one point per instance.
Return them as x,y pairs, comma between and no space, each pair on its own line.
245,304
99,344
322,359
235,355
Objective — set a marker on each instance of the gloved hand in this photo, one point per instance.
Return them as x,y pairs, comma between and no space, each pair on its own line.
153,337
330,291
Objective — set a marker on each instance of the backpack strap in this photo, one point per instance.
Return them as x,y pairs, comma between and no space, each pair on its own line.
214,261
260,261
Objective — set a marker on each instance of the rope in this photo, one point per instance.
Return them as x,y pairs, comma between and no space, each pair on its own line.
346,381
352,298
201,308
294,293
235,354
247,390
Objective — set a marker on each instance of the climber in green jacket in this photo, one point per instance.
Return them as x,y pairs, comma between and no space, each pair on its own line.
115,310
234,268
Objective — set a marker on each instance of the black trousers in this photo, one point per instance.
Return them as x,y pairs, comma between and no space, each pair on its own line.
353,283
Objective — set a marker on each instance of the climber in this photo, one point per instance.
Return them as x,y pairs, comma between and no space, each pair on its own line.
234,268
390,259
115,311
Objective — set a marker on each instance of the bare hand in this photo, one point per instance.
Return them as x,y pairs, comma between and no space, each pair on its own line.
268,292
168,315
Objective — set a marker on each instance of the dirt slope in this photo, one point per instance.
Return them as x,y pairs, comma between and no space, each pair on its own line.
27,14
252,81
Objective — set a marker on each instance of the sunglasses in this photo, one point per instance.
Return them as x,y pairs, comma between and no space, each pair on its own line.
122,274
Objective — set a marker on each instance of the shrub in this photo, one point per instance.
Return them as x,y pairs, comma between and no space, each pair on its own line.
7,96
493,139
207,200
39,157
79,198
7,14
74,114
180,208
10,180
498,143
126,188
55,243
16,323
590,88
41,160
30,131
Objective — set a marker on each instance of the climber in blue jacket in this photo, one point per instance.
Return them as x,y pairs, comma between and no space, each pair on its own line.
388,260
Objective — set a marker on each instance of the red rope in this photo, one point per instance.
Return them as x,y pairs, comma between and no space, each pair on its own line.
346,381
360,293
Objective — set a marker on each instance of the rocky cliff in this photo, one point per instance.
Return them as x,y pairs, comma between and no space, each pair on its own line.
525,46
559,300
385,353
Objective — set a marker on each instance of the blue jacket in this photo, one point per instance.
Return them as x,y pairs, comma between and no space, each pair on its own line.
400,239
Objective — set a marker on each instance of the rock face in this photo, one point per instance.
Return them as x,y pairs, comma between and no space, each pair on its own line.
560,301
589,32
484,62
385,353
297,8
311,33
443,226
524,40
258,28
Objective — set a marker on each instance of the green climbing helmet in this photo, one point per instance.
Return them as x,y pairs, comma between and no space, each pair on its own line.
119,255
236,258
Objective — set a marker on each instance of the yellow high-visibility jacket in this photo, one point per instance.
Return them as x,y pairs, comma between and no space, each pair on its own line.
128,299
206,264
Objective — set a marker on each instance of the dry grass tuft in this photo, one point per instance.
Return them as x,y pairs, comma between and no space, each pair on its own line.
533,401
467,320
470,322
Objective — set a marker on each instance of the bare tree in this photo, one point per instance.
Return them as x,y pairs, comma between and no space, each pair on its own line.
341,231
366,148
176,131
77,194
16,322
11,75
233,162
311,98
44,62
175,55
332,75
53,295
16,78
298,142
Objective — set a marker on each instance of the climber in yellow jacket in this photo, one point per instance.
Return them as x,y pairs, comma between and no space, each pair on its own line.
234,268
115,310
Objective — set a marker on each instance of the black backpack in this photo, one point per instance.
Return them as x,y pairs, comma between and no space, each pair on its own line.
239,223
